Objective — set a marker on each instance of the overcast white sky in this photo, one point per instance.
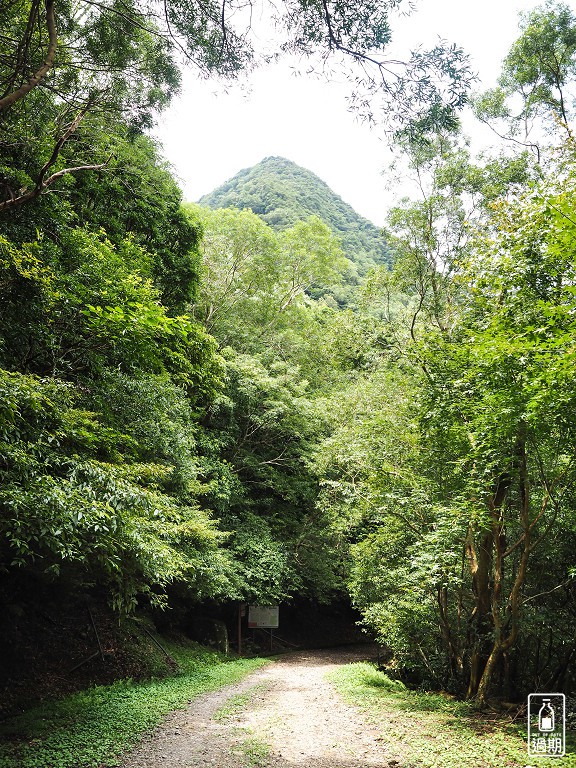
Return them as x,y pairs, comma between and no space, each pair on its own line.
209,136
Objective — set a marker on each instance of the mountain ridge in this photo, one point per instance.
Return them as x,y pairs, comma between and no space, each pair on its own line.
282,192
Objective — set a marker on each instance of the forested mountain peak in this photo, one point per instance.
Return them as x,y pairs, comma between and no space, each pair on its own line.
282,193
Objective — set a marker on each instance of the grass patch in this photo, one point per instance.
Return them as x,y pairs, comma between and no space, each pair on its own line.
235,704
426,730
92,728
255,752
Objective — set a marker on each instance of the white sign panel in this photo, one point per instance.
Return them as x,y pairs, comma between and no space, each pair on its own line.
546,725
263,616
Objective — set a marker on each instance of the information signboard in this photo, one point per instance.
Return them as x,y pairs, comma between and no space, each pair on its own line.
263,616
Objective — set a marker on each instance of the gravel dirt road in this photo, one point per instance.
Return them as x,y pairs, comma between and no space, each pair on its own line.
285,715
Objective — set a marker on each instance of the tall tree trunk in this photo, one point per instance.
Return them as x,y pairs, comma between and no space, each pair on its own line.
502,641
480,559
451,643
486,564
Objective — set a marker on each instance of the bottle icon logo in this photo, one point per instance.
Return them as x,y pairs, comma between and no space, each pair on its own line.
546,717
546,725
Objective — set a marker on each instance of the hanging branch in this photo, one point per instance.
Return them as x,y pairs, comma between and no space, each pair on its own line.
42,182
39,75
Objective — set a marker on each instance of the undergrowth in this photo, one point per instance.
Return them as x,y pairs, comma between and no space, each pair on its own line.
428,730
92,728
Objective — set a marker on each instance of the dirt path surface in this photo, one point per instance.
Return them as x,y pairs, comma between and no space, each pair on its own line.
285,715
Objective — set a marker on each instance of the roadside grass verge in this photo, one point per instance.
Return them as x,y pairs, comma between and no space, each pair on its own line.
92,728
428,730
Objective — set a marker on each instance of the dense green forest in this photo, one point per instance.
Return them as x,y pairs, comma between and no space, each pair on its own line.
192,412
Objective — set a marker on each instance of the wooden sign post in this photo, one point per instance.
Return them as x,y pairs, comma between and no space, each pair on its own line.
241,614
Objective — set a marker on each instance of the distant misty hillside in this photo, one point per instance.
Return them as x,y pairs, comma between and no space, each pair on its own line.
282,193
